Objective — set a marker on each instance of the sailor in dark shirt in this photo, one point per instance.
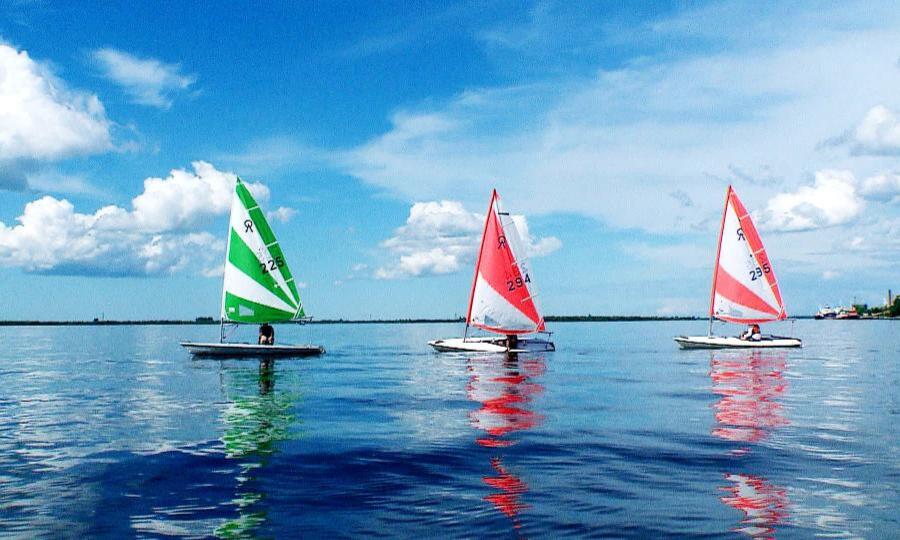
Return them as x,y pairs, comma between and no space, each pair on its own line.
266,334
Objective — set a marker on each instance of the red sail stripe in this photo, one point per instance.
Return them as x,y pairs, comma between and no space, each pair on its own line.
756,245
738,293
746,321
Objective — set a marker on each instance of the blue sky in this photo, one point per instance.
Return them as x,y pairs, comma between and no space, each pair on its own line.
376,131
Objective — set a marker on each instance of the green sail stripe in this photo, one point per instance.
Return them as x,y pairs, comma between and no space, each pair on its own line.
265,232
258,313
244,194
275,251
243,258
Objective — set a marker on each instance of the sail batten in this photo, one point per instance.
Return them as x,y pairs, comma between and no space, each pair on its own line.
744,286
257,286
502,300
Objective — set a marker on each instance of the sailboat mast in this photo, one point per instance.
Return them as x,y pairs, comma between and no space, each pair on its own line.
478,262
224,268
712,296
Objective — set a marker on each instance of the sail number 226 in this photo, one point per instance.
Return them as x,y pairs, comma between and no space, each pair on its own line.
271,264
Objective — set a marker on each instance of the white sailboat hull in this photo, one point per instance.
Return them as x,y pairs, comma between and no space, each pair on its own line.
491,345
721,342
239,350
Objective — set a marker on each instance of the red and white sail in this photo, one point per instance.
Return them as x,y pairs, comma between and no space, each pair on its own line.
503,299
744,286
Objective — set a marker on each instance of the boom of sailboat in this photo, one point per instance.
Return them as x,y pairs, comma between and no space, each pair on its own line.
259,288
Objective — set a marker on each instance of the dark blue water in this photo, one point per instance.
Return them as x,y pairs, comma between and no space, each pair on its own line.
116,432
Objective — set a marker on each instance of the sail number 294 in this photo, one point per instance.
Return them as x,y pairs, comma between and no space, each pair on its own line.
271,264
513,284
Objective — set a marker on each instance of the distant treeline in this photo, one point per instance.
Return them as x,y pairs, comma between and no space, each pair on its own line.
210,320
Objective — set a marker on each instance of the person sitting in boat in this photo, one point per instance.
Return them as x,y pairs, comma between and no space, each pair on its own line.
266,334
752,333
512,341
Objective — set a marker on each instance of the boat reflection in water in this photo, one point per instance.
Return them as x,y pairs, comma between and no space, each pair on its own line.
504,387
750,384
256,418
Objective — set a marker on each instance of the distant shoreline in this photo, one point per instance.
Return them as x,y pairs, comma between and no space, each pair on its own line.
209,321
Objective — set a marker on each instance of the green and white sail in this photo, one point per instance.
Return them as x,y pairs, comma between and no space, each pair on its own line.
258,285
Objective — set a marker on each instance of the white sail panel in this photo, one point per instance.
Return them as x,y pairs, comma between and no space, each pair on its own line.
240,284
729,310
493,311
520,257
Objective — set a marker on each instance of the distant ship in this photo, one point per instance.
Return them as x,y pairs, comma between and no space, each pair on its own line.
839,312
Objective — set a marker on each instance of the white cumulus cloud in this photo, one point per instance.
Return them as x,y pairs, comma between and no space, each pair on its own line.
883,187
282,214
831,200
878,133
147,81
185,198
43,120
157,235
439,237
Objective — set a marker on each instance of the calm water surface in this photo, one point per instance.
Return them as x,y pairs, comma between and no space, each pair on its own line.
116,432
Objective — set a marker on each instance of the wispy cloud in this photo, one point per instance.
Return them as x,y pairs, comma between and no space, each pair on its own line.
56,182
611,143
271,154
147,81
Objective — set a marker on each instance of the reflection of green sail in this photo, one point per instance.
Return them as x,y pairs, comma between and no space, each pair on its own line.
257,418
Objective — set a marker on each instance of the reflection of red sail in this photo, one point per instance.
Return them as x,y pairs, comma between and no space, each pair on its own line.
503,392
511,487
749,386
763,504
503,387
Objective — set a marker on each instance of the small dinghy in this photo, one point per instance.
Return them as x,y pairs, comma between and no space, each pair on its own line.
491,344
721,342
744,288
239,350
257,288
503,300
